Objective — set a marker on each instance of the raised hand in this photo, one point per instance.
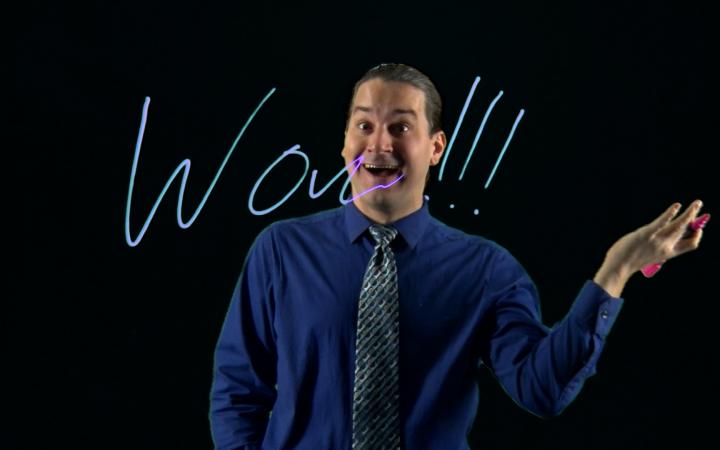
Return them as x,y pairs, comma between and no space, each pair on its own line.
664,238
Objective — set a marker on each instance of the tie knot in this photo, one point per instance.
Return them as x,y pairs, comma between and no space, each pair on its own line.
383,234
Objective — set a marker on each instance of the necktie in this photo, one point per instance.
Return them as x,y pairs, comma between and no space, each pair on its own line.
376,402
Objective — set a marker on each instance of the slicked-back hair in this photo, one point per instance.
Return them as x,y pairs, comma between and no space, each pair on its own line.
407,74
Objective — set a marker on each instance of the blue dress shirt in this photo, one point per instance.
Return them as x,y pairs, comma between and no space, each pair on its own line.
285,358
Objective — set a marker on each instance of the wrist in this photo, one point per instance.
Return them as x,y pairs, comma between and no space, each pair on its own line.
612,277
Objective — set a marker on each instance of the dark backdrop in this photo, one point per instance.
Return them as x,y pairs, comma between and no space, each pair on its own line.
110,345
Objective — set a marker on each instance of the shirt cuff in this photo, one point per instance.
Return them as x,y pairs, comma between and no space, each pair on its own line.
595,309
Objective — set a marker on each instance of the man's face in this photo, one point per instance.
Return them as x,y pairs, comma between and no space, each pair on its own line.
389,128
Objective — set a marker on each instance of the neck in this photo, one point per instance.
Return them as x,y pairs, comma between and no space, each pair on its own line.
387,215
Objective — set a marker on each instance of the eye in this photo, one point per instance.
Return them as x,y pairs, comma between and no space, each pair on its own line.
400,128
363,126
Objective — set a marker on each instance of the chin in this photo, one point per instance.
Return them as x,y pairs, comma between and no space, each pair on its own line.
383,200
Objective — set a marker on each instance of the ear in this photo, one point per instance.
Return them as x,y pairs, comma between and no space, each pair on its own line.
439,141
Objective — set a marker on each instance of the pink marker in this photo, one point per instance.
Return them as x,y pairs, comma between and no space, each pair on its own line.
700,222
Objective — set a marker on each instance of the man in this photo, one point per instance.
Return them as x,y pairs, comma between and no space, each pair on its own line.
362,326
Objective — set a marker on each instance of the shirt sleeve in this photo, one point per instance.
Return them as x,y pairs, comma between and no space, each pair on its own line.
244,372
543,369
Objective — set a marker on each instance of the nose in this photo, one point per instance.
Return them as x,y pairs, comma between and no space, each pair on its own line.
381,141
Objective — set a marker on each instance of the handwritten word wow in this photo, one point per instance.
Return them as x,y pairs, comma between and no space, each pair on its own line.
184,167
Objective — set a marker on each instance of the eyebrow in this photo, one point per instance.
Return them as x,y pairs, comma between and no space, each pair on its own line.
394,111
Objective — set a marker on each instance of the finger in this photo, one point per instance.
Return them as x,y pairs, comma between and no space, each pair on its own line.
689,244
677,227
699,222
664,218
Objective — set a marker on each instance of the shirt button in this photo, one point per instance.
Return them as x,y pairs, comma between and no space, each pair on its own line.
604,314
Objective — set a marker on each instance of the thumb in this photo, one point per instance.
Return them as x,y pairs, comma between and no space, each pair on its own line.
686,245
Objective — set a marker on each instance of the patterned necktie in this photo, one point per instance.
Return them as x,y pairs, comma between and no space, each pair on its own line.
376,422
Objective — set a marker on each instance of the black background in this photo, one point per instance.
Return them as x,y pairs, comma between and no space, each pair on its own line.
111,346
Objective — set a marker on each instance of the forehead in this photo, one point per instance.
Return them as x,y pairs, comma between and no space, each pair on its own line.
385,96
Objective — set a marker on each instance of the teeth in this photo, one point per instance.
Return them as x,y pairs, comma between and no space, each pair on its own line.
373,166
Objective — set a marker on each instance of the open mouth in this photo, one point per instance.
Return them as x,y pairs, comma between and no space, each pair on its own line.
382,171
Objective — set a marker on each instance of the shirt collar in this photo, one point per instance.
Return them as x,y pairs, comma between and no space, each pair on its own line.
410,227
